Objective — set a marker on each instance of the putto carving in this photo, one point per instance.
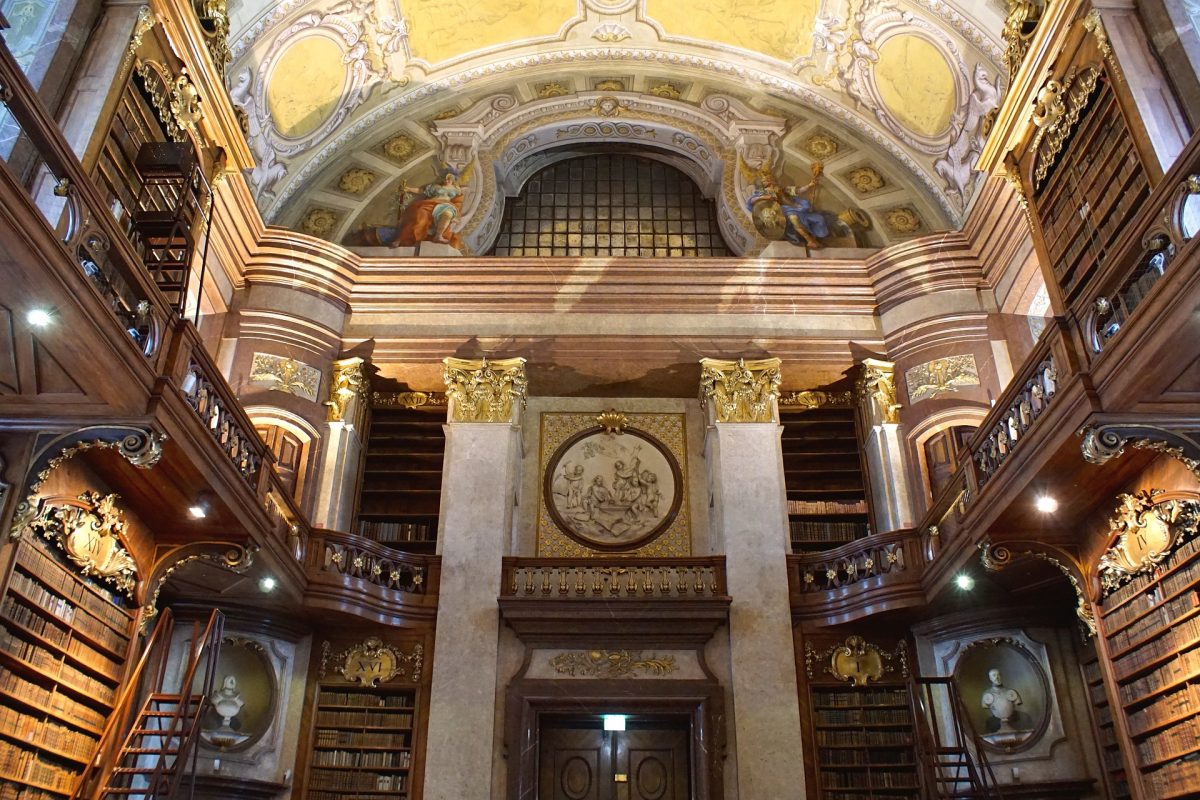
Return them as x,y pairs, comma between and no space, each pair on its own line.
373,662
287,375
89,530
356,180
347,383
876,388
1147,530
484,391
740,391
857,661
611,663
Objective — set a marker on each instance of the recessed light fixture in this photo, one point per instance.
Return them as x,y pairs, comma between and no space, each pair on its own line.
267,583
964,582
197,511
614,722
1046,504
39,317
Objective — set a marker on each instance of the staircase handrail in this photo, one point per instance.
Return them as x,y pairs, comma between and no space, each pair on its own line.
209,643
162,631
985,786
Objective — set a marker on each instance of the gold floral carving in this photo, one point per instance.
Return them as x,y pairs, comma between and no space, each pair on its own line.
1094,25
400,148
611,663
857,661
1056,114
740,391
1147,530
866,180
356,180
876,387
145,21
373,662
552,89
821,145
612,421
213,16
319,222
409,399
483,390
287,375
89,531
185,104
610,85
1019,26
348,382
902,220
667,91
940,376
810,399
995,557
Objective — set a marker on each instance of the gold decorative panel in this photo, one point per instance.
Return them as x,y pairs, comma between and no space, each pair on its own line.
940,376
667,429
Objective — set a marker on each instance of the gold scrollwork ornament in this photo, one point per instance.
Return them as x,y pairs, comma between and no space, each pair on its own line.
1147,530
89,532
373,662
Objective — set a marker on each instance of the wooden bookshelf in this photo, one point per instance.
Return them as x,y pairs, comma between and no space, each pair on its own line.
1151,629
1097,185
402,478
64,642
822,467
364,723
865,742
1105,725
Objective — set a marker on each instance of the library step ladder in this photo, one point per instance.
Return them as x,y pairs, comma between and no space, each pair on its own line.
955,765
163,735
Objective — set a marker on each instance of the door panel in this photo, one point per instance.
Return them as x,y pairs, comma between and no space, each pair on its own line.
574,765
656,763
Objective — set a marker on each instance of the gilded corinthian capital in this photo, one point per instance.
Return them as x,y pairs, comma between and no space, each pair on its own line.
484,391
347,384
877,391
740,391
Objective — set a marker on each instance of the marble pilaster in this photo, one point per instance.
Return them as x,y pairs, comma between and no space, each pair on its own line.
891,495
745,464
479,481
342,449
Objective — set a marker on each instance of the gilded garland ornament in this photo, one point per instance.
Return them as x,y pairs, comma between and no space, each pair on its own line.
409,399
611,663
740,391
483,390
857,661
812,399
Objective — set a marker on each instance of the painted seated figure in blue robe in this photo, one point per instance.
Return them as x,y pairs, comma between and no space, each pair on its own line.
804,225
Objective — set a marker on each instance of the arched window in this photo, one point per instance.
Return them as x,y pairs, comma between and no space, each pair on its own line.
610,204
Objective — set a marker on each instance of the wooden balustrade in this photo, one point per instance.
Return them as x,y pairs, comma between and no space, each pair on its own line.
1162,234
860,560
353,575
614,578
43,163
1033,397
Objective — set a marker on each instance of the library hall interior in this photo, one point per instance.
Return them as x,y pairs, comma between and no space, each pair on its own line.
599,399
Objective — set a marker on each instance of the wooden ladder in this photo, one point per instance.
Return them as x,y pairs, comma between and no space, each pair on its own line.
955,765
148,763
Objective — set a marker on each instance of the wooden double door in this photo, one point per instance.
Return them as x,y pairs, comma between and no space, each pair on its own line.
580,761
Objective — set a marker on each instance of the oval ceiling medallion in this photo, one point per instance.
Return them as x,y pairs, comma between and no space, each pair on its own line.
916,83
306,85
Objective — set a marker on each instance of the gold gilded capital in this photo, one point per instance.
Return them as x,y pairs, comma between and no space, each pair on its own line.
877,391
740,391
347,383
484,391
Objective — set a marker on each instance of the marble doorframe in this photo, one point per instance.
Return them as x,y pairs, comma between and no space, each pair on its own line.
701,703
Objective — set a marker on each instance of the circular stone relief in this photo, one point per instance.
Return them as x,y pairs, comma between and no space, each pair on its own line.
613,491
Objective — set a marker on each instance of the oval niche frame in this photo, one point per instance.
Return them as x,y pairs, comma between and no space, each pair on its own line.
1034,677
262,660
621,547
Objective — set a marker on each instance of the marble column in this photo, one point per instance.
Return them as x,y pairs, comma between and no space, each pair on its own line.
479,484
891,494
341,452
745,463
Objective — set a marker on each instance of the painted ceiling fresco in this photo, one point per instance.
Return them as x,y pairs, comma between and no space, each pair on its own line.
349,102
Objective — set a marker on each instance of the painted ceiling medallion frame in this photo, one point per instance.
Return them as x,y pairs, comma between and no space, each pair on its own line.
560,463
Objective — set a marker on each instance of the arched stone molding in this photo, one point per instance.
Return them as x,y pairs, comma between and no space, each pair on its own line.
723,142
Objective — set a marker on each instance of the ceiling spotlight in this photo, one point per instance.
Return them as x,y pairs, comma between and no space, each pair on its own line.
197,511
1046,504
39,317
267,583
964,582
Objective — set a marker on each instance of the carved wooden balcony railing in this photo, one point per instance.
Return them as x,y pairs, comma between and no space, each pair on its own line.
1003,436
353,575
686,578
42,163
1161,235
864,576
